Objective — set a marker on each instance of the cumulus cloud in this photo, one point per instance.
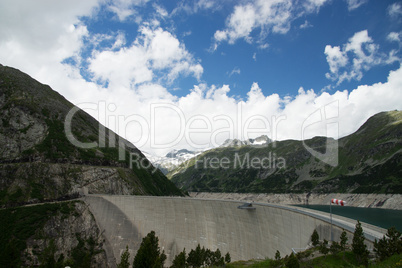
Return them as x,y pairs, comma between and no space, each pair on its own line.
358,55
132,101
274,15
211,115
268,16
153,50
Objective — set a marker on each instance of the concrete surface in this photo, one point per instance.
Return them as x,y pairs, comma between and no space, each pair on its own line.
185,222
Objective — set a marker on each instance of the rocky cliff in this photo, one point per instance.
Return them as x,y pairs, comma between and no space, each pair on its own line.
51,235
38,160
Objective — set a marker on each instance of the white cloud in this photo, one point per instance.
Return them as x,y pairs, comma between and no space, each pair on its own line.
395,10
272,15
354,4
313,5
192,7
305,25
126,8
160,10
394,37
37,47
236,70
355,57
268,16
154,49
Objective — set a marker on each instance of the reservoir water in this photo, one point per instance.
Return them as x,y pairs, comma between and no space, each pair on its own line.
384,218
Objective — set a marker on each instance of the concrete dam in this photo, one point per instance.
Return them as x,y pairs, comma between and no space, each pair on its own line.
186,222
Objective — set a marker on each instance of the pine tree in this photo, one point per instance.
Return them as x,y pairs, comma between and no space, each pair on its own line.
389,245
124,263
219,260
315,238
324,247
344,240
227,258
149,255
277,255
180,260
358,246
194,258
292,262
394,241
334,248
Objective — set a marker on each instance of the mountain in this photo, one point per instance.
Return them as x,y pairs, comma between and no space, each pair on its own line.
259,141
38,161
172,159
175,158
369,161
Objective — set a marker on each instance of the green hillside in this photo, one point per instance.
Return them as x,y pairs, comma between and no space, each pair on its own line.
369,161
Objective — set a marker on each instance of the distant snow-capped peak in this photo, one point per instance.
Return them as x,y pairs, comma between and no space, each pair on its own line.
259,141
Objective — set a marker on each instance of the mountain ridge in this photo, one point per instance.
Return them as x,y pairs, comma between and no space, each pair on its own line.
374,151
38,161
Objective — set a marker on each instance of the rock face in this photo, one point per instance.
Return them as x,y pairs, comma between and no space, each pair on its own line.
368,161
38,161
64,235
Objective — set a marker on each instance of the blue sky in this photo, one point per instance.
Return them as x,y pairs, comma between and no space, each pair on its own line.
280,62
206,59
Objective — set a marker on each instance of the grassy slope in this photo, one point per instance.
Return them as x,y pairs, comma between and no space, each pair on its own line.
329,261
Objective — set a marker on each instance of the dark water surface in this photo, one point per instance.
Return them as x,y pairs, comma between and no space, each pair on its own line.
384,218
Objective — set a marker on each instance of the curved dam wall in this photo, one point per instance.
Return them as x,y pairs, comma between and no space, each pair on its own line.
186,222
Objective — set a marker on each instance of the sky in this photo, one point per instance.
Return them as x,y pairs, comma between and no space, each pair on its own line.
191,74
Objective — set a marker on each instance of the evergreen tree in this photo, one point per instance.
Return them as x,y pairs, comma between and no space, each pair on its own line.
344,241
208,257
394,241
381,249
124,263
324,247
358,246
218,260
194,258
149,255
180,260
292,261
277,255
335,247
389,245
315,238
227,258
